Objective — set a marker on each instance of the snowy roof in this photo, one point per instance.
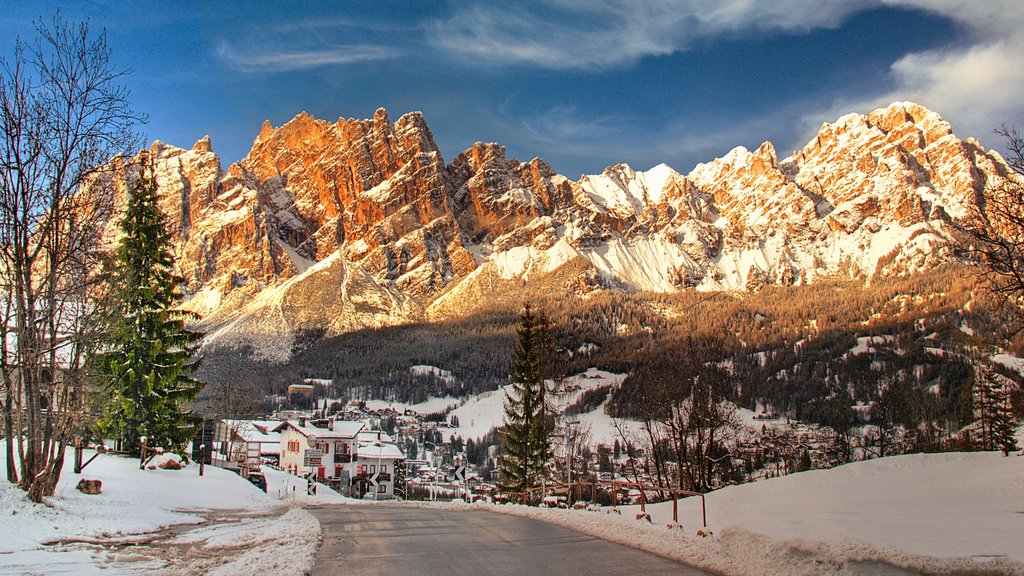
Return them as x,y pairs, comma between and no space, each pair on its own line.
260,431
373,436
342,429
383,451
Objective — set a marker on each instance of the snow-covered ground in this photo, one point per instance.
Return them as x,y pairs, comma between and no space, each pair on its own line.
221,524
483,412
954,513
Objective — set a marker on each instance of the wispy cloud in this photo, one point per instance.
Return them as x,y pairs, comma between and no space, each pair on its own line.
289,60
976,86
578,34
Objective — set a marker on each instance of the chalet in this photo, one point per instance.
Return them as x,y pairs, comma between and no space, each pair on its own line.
341,453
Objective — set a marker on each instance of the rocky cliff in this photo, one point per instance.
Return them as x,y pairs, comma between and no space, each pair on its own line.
329,227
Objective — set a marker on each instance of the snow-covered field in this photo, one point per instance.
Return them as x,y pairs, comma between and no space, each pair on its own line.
221,523
954,513
483,412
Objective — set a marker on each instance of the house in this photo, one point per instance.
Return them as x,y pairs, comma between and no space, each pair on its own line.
342,454
375,464
244,444
324,447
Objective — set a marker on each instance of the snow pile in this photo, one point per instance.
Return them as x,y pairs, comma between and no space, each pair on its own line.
954,513
124,527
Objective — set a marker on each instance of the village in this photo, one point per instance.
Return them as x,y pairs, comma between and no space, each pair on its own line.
375,450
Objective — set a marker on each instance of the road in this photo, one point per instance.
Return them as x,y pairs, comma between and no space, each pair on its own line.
383,540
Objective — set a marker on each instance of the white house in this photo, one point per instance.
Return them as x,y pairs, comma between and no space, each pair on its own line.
325,449
341,453
374,465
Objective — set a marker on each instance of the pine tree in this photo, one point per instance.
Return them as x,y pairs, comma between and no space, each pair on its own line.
997,422
526,436
146,366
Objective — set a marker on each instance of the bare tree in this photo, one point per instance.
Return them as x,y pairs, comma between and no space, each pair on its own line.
995,231
64,115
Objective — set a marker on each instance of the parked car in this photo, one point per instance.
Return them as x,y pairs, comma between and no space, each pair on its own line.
258,480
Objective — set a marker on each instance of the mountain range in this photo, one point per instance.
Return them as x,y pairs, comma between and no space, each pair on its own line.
331,227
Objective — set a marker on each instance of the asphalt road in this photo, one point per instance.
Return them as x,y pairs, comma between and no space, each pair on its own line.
405,540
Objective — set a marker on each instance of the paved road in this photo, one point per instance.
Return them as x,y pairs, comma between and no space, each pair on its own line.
383,540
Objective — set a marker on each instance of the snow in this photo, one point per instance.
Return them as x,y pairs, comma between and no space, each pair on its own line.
949,513
1012,362
642,263
123,527
865,344
428,406
478,415
423,370
485,411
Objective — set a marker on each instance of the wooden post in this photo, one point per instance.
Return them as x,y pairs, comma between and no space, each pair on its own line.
202,458
78,455
593,492
675,507
643,501
142,456
703,511
615,494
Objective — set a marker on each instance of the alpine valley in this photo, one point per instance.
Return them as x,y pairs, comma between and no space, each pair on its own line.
350,250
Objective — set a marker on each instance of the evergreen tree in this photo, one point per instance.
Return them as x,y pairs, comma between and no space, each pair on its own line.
526,436
146,365
996,420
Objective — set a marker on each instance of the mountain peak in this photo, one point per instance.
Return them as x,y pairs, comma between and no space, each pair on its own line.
203,144
376,205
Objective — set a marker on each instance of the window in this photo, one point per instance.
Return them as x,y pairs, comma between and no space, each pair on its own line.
381,489
383,468
373,468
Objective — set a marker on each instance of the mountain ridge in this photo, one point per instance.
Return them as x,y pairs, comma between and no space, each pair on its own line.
332,226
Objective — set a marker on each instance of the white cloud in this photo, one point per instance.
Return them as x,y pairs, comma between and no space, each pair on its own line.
975,86
577,34
288,60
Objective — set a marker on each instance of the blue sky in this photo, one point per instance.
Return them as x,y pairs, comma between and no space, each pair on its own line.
582,84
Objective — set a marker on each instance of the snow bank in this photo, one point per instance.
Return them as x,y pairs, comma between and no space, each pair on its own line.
124,527
932,513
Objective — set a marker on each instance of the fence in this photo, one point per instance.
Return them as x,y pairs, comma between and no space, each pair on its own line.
525,497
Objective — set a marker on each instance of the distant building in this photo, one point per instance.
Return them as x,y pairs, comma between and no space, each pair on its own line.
300,390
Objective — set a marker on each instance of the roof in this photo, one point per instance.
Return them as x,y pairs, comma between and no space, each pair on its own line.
378,444
370,450
374,435
342,429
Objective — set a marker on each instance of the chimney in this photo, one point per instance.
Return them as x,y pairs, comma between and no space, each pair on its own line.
330,424
302,421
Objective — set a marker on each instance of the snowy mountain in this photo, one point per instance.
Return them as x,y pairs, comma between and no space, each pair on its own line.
329,227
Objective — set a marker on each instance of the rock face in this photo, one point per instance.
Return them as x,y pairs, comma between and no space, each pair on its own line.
332,227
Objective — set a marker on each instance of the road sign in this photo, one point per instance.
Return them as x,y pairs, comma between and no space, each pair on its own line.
312,457
373,479
311,440
310,485
460,473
